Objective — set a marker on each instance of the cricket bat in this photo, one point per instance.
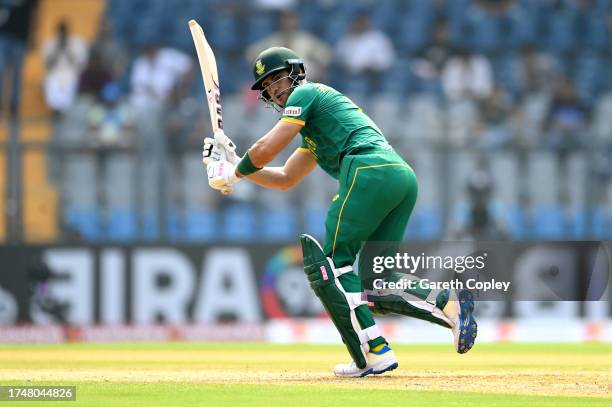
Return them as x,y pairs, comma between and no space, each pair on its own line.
208,66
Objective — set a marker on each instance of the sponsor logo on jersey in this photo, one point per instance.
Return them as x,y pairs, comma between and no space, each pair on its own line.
293,111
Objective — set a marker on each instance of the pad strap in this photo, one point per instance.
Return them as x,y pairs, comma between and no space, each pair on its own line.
369,334
355,299
340,270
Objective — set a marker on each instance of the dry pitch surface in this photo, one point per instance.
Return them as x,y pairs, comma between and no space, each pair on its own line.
263,374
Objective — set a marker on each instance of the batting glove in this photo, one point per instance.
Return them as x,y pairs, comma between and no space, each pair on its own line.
213,151
221,175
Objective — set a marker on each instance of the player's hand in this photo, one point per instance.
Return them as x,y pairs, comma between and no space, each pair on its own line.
221,175
213,151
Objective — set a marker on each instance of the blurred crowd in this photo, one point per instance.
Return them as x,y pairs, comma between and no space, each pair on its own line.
449,81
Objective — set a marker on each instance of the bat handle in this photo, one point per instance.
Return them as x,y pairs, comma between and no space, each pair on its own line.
223,140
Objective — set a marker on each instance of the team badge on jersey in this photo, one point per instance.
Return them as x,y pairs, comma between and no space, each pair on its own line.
260,68
293,111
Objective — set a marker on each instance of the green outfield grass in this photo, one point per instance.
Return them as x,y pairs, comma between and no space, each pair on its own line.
194,374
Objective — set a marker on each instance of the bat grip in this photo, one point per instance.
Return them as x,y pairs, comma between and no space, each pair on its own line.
223,140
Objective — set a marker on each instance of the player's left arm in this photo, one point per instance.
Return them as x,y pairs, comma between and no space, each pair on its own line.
222,174
299,165
269,146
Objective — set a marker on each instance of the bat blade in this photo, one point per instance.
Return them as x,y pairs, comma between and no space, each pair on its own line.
210,76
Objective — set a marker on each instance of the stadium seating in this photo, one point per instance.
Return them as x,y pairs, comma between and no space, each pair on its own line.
411,111
238,223
122,225
278,225
84,221
200,225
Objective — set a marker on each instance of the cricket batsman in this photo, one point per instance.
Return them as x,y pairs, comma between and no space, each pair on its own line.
376,194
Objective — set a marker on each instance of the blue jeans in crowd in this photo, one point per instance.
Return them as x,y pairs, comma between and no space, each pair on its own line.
12,52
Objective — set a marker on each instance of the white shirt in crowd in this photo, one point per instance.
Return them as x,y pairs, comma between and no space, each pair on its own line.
371,50
153,78
469,77
64,68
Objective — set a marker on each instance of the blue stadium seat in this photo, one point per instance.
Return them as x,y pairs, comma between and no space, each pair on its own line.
399,80
85,221
239,223
577,224
522,26
351,8
561,31
597,36
174,229
196,8
122,225
314,222
413,34
588,74
278,225
485,34
606,80
336,77
148,30
312,17
228,67
457,10
178,35
201,225
506,72
601,223
516,222
548,222
358,88
150,226
120,14
224,33
384,17
424,224
259,26
336,26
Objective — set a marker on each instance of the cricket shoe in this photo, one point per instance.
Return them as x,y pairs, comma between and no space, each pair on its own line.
460,310
378,362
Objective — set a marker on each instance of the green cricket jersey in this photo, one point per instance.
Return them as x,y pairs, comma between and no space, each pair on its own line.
333,126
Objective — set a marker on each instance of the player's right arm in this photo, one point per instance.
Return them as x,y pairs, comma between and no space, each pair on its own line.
297,166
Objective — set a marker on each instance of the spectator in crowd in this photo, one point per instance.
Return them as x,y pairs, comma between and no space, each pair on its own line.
428,66
156,72
494,129
535,72
365,50
565,129
488,24
111,121
65,57
481,224
567,119
467,75
495,6
184,122
16,18
609,21
317,54
112,54
95,76
275,5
